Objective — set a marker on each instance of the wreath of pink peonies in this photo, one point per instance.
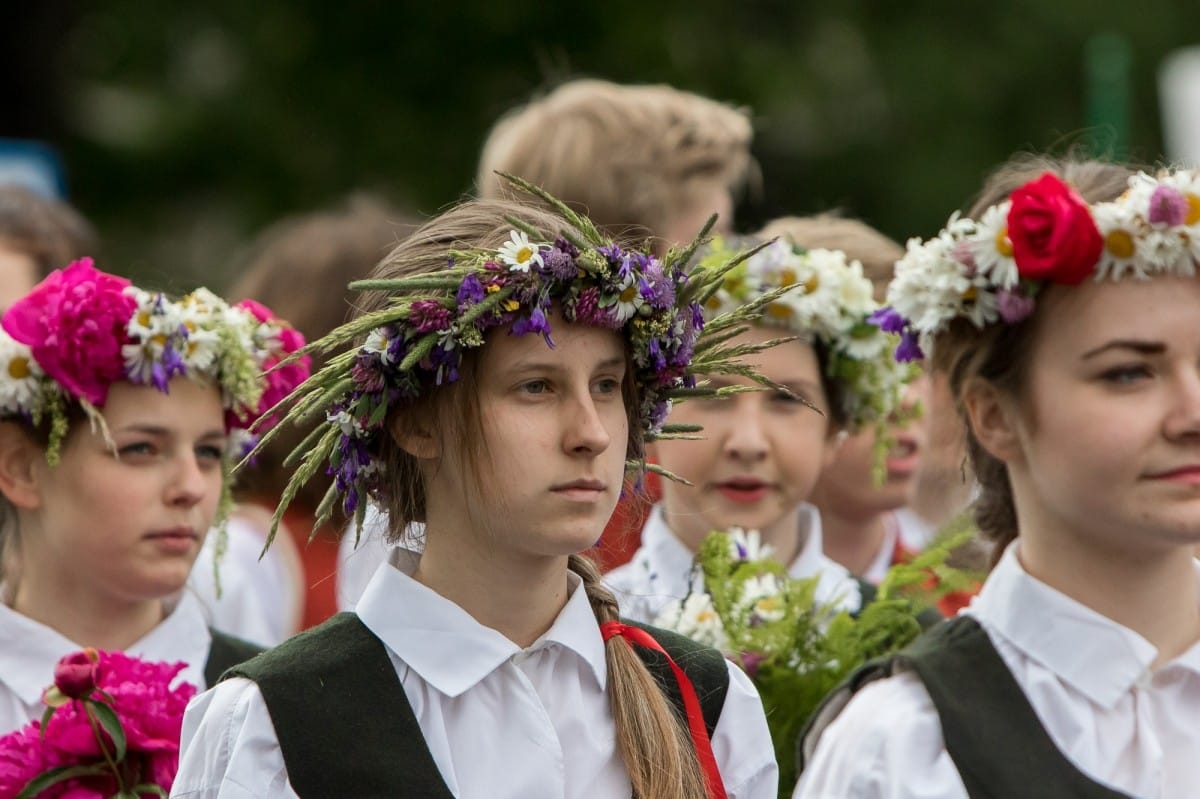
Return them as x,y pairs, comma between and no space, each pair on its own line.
111,729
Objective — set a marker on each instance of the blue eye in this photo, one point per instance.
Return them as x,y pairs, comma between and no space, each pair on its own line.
137,448
210,452
1125,375
608,385
535,387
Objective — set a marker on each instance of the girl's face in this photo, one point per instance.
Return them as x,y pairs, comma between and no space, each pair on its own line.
555,431
761,451
129,525
1105,447
848,487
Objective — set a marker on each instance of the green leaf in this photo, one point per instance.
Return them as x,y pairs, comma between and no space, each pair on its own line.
112,725
57,775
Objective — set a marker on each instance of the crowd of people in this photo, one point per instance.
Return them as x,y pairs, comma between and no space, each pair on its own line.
442,564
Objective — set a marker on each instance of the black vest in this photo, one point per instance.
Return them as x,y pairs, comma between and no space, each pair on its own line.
990,730
346,729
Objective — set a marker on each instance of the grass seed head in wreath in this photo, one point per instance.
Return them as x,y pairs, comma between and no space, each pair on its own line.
431,304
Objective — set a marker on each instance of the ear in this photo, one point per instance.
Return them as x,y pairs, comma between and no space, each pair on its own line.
415,437
833,444
20,461
994,420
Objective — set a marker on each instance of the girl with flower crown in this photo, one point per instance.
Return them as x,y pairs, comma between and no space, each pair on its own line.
119,409
1064,309
762,451
494,388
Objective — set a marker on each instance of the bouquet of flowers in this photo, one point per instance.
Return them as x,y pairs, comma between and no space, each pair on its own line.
794,648
110,731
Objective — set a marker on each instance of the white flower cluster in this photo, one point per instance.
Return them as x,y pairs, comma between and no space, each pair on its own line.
831,302
22,382
968,270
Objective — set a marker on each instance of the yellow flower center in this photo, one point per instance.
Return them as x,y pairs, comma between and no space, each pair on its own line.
811,284
971,294
144,318
787,277
628,294
18,368
1004,243
779,310
492,288
713,303
705,616
1119,243
524,254
511,305
1193,214
160,340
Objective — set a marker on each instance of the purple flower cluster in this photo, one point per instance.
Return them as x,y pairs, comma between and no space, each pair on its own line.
633,292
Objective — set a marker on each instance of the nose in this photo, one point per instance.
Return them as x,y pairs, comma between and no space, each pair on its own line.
1183,421
586,433
188,484
745,438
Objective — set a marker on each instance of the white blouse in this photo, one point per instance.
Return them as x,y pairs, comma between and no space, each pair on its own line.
29,651
499,720
1087,677
661,569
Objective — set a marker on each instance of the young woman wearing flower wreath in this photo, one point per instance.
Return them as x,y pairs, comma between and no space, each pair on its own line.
117,410
1064,309
762,452
495,387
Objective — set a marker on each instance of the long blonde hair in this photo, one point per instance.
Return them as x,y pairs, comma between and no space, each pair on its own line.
653,740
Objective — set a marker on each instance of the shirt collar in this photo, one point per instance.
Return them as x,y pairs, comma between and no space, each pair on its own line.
29,650
446,646
671,560
1069,633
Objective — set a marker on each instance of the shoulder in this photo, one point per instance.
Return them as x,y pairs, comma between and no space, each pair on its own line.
229,747
328,646
887,742
742,741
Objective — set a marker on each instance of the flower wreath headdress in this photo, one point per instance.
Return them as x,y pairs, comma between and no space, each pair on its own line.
387,358
80,330
826,298
991,269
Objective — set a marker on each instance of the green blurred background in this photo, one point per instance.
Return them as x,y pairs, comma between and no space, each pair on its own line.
187,126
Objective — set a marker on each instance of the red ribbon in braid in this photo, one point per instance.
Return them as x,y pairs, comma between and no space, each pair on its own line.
691,704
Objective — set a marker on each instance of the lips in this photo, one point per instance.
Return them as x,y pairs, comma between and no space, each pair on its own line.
1182,474
584,490
743,490
903,456
174,539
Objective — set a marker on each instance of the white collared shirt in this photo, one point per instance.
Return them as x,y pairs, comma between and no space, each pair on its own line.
29,651
661,569
499,720
1087,677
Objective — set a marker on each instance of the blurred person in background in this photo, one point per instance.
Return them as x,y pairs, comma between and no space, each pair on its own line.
37,235
302,264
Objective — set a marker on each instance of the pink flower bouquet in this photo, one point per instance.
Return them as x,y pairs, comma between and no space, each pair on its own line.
111,729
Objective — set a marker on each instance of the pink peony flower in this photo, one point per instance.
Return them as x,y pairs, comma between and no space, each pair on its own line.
149,709
75,322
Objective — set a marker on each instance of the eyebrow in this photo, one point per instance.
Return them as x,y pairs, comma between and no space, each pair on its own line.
163,432
1135,345
616,362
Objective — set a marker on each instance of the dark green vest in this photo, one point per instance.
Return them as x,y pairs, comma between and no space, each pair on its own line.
346,729
224,653
990,730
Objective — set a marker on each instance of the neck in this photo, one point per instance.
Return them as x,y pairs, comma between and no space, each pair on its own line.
97,621
938,496
517,596
1155,594
851,539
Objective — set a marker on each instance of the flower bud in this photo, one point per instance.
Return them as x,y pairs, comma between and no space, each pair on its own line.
76,674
